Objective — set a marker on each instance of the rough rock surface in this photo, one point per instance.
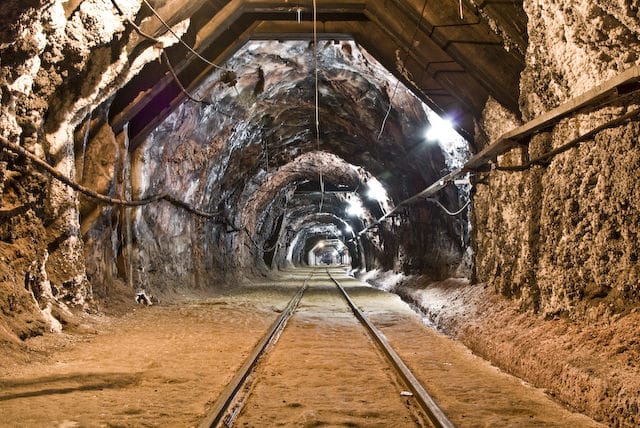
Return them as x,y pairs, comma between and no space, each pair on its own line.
242,154
563,238
573,46
59,59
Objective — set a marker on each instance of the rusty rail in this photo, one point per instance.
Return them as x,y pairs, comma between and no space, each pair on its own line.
215,416
428,404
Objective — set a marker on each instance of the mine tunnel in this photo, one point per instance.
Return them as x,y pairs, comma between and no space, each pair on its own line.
198,161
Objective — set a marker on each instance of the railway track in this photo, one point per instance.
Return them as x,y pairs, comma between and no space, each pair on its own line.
235,396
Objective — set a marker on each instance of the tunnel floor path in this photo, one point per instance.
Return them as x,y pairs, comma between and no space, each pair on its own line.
470,390
164,365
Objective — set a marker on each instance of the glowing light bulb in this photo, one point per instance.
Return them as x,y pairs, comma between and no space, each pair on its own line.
376,190
440,130
354,208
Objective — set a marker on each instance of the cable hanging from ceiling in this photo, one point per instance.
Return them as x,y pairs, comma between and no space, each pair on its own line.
406,56
188,95
317,93
168,27
173,73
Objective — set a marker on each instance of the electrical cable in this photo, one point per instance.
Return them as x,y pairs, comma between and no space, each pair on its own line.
406,56
437,202
174,74
317,94
191,97
133,24
172,70
98,196
544,159
180,39
142,33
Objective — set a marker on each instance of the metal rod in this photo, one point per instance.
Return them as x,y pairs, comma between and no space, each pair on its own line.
435,413
216,414
608,91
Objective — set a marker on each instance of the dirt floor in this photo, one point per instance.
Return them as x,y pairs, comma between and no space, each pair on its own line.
591,364
157,366
312,379
164,365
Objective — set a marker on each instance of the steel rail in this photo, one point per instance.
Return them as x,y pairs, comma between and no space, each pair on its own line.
428,404
215,416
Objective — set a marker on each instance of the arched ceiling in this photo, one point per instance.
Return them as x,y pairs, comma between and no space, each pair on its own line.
251,149
451,63
238,138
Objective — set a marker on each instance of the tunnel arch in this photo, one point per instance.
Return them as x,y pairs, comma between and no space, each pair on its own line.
249,170
244,153
271,196
308,224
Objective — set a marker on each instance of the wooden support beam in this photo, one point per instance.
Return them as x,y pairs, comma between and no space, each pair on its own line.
608,90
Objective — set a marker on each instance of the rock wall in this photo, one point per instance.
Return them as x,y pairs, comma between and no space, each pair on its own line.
563,238
60,59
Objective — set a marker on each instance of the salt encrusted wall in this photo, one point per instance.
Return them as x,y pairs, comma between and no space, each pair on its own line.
59,59
563,239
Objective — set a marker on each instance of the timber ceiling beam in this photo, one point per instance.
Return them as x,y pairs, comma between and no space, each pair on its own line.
453,66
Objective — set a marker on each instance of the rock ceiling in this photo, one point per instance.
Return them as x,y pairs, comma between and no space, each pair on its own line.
258,93
231,128
451,63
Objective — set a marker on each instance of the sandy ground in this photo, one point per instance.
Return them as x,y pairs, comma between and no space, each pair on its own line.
591,364
164,365
158,366
326,371
470,390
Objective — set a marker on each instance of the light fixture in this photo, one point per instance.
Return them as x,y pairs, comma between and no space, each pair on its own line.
440,130
376,190
355,208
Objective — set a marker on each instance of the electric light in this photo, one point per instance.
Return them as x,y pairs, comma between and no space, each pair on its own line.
355,208
440,130
376,190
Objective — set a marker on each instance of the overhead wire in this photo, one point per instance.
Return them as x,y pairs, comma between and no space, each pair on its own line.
317,94
406,56
173,73
172,70
188,95
185,44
